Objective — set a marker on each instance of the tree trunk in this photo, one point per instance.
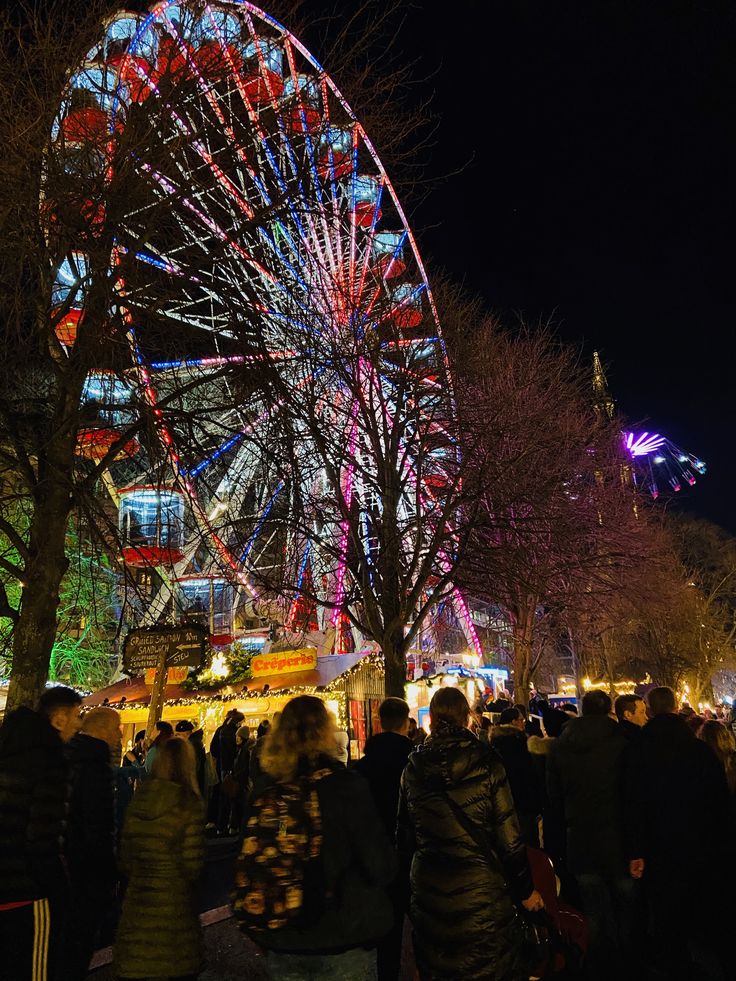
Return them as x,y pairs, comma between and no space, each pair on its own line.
523,632
35,631
608,649
394,654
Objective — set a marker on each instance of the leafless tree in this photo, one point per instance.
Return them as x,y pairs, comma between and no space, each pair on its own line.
558,525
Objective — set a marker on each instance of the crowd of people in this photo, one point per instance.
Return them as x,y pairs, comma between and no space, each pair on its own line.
516,845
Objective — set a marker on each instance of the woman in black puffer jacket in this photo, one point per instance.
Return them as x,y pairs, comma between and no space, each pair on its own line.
458,827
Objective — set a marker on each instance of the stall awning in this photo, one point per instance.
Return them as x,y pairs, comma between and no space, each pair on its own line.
136,692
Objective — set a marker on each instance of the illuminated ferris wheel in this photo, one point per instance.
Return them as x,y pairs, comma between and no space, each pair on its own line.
265,223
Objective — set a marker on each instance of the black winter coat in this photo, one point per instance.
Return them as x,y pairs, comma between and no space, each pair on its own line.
630,731
33,803
523,776
677,801
196,741
90,843
241,767
382,765
358,864
585,785
461,905
553,826
257,777
224,747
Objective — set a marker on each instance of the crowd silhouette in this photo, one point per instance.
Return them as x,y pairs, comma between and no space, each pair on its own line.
505,845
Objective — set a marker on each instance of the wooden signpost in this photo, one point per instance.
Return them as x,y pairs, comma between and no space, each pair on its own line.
161,648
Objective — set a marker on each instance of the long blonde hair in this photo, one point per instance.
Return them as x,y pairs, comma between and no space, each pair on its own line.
305,730
175,761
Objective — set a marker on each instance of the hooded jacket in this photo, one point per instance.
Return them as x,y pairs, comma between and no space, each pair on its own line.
585,785
33,805
462,885
90,845
384,759
162,851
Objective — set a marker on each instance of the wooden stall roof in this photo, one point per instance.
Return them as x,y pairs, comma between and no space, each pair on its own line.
135,691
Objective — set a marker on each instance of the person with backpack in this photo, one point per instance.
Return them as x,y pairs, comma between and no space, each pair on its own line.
162,852
312,875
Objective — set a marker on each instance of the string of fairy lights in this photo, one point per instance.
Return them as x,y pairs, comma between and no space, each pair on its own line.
372,660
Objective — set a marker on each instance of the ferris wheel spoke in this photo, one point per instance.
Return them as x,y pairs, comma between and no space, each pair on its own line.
208,223
333,188
206,155
279,284
299,586
365,265
248,430
253,116
311,240
316,239
259,527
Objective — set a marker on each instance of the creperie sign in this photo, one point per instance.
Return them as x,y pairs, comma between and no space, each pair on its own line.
284,662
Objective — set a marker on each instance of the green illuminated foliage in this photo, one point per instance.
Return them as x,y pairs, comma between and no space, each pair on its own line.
83,654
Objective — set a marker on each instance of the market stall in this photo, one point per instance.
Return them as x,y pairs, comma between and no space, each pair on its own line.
351,686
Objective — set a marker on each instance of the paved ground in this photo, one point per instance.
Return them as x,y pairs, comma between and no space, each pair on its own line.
230,955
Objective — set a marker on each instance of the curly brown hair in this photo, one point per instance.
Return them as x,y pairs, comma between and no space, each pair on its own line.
305,730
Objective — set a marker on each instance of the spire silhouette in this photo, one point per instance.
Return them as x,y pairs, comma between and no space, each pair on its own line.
603,401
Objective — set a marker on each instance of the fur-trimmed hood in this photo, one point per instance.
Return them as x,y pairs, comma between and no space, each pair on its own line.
498,732
540,746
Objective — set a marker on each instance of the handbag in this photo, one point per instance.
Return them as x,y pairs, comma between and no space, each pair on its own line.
533,930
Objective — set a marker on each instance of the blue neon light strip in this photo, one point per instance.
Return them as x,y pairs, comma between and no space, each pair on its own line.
259,526
228,445
303,567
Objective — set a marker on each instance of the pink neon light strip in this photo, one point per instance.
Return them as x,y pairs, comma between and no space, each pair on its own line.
342,548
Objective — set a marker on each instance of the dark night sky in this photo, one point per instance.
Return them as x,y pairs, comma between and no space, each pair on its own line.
603,144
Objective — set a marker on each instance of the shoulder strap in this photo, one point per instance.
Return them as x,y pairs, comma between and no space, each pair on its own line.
476,834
